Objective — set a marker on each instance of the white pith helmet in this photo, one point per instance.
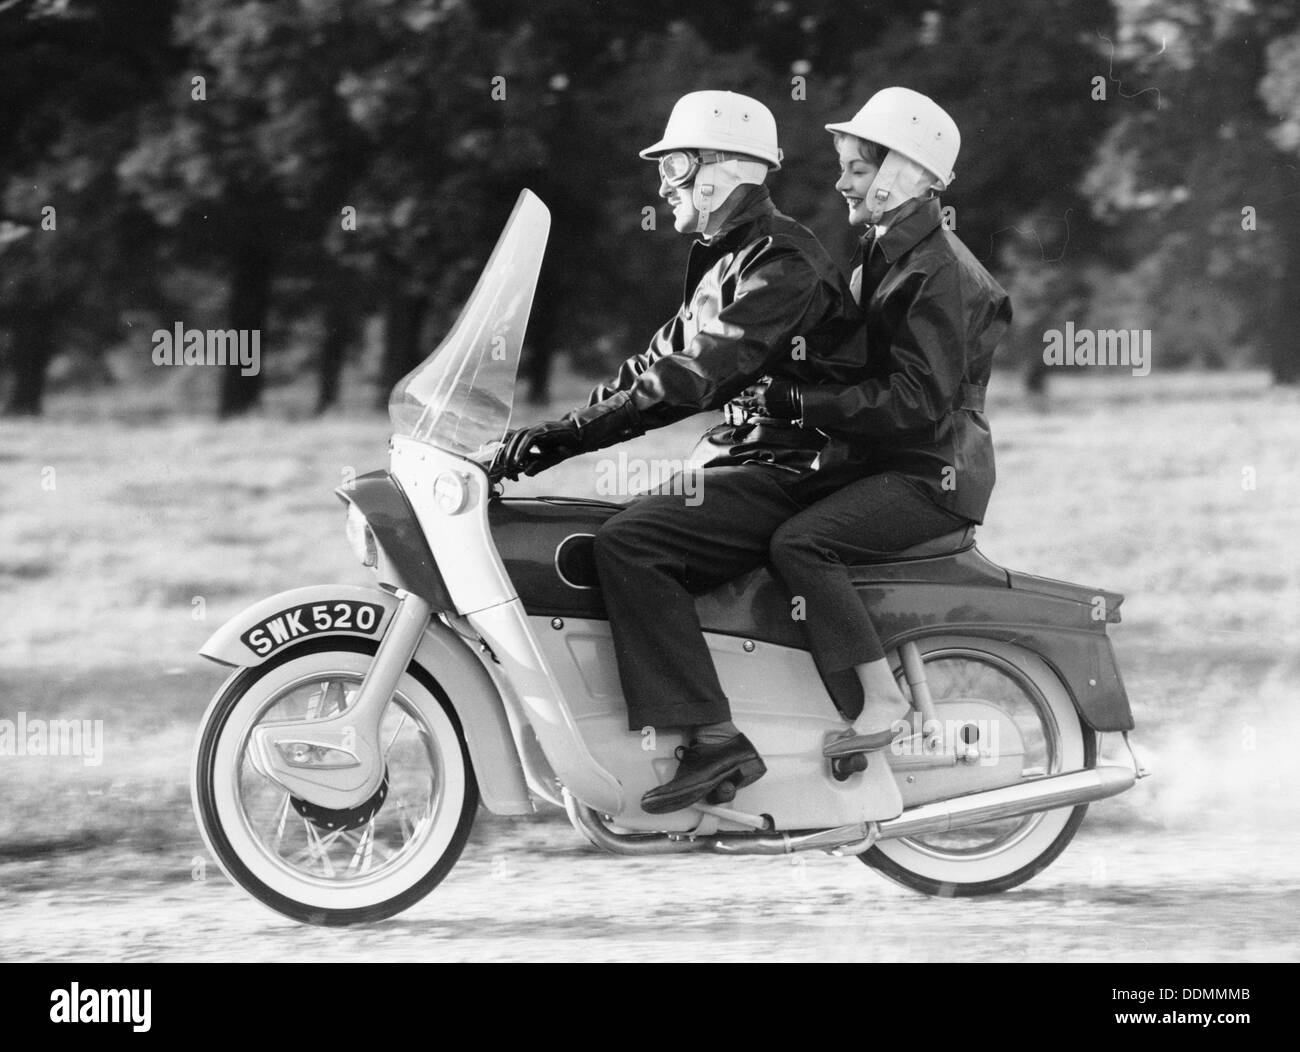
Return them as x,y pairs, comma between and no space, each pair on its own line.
912,124
720,120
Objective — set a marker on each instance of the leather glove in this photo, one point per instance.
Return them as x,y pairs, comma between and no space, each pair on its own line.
531,450
777,399
500,467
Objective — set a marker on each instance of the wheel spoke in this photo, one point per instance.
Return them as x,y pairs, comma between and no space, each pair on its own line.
318,847
281,819
401,723
341,854
362,855
374,846
384,854
404,820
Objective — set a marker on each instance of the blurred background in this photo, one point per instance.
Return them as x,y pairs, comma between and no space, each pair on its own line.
1125,164
334,175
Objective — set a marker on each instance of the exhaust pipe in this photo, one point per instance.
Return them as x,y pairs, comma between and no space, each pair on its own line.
1041,794
588,823
1012,801
850,839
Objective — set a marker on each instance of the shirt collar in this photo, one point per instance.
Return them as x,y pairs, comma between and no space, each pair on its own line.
905,227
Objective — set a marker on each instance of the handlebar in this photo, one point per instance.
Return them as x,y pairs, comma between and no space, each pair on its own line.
496,471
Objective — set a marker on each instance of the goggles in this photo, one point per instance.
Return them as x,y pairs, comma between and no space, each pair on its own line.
678,168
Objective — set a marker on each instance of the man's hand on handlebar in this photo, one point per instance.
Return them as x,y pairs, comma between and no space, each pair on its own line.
531,450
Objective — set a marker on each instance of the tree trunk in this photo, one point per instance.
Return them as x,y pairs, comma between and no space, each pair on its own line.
403,321
543,330
248,307
32,347
537,358
339,333
1282,334
1035,375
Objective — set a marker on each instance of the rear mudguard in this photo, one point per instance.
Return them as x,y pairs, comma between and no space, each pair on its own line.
320,611
545,544
1062,623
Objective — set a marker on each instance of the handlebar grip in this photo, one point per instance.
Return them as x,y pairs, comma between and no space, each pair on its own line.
496,470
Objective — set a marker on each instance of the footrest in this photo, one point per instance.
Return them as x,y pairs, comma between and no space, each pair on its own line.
845,767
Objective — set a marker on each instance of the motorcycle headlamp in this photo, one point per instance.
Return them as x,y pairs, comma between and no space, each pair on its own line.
362,537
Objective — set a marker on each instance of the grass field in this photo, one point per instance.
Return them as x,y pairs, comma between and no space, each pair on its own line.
128,535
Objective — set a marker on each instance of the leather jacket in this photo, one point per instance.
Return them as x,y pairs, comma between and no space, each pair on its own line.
933,316
762,298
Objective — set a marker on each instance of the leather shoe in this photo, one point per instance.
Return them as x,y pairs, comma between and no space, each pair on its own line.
701,770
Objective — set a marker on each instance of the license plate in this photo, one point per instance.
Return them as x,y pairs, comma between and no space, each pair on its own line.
312,619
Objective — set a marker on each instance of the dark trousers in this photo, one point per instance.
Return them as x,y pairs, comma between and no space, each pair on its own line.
660,552
810,554
665,548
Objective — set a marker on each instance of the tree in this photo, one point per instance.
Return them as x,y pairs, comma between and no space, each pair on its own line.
74,252
1198,175
1280,90
247,158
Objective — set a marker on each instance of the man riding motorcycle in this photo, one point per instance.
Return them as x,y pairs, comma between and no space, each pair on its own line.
763,299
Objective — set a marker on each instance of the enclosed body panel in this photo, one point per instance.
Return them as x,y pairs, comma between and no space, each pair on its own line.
775,695
545,544
407,561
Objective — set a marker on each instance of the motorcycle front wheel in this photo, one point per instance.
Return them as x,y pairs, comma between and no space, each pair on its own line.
995,856
322,866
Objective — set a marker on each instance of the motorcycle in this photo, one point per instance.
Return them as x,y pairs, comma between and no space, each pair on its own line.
339,768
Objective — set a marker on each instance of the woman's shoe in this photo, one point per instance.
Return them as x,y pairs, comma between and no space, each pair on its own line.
848,743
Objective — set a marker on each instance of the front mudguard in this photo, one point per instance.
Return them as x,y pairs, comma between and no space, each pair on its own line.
441,653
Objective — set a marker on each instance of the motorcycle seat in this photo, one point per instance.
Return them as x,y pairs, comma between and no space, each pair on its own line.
945,544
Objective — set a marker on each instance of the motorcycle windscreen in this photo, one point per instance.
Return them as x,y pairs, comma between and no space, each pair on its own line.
460,398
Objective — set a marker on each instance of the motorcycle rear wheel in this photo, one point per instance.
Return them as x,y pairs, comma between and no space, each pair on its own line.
994,856
334,868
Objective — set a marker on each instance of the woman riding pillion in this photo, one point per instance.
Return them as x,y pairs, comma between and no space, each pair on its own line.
763,299
915,424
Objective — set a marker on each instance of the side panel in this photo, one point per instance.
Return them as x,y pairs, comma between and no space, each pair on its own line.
530,534
776,699
441,653
1106,601
963,593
